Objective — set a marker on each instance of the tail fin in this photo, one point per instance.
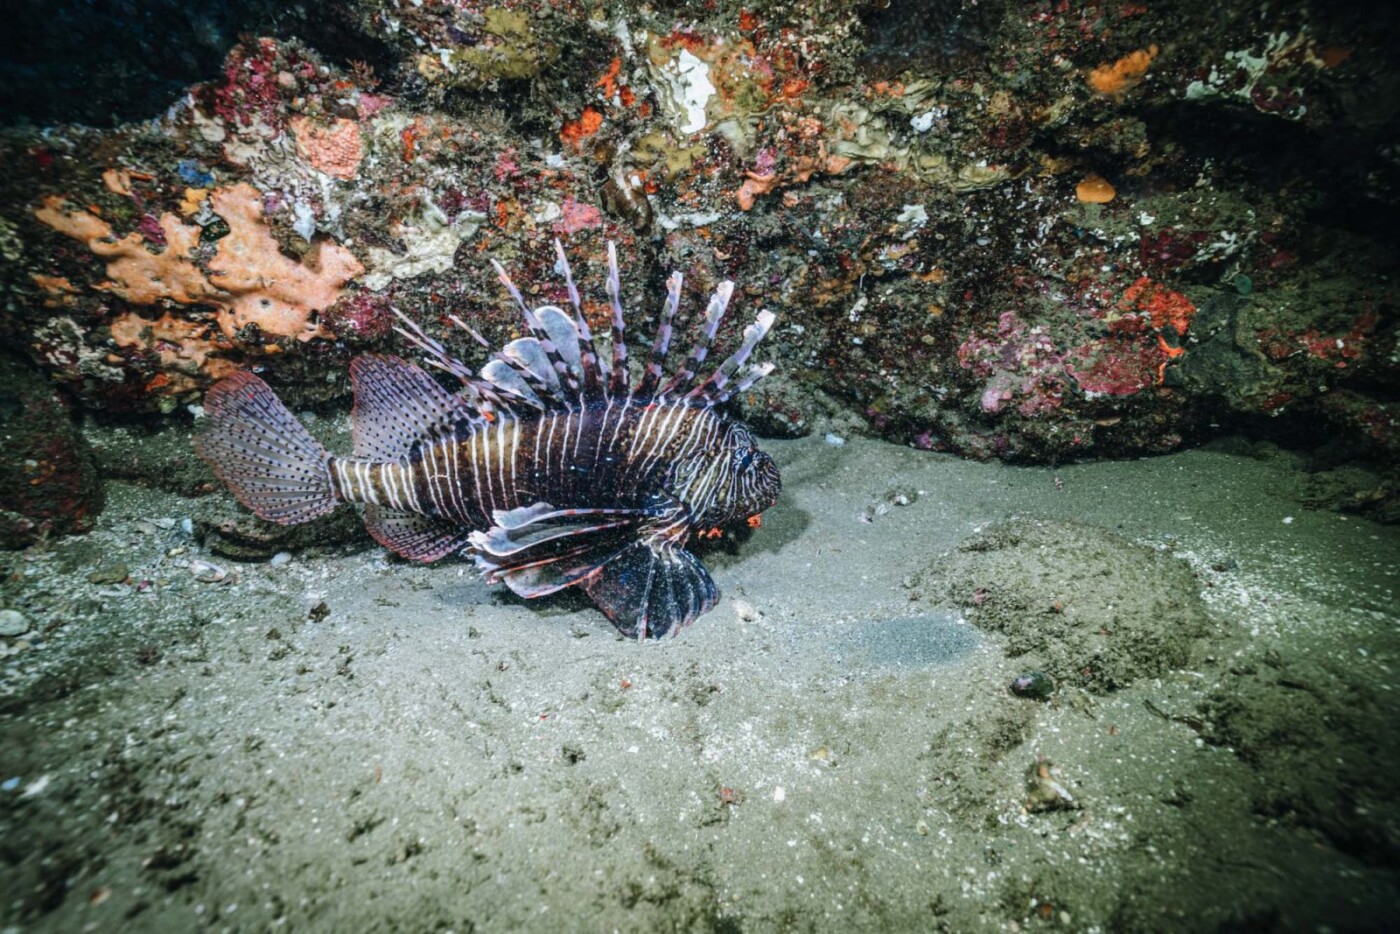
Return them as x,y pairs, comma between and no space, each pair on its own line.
263,454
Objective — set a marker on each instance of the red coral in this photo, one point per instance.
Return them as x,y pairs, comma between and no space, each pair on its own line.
1116,367
1340,348
1169,249
250,90
1334,348
1162,306
576,131
149,227
363,316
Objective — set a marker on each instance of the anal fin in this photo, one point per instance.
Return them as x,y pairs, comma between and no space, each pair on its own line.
651,588
412,536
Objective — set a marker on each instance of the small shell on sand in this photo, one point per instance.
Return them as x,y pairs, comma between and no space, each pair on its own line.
1034,684
207,572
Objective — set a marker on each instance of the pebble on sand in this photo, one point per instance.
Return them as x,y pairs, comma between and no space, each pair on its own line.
13,623
110,574
207,572
1045,789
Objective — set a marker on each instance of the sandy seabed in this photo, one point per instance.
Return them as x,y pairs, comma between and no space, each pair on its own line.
356,743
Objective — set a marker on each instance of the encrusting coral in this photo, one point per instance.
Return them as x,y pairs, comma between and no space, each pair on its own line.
259,285
183,348
136,274
335,149
903,185
248,280
1117,79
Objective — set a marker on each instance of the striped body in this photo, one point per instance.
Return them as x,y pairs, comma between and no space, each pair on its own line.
616,455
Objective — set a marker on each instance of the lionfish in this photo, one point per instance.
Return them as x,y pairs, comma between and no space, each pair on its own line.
550,468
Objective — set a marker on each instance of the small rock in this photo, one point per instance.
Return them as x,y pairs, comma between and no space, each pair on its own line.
36,787
13,623
281,559
319,612
1036,685
745,610
901,496
112,574
1045,789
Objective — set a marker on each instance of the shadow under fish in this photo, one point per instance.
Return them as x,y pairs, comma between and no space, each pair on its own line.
551,467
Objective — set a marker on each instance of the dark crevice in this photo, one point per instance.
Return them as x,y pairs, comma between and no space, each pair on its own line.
1343,174
106,62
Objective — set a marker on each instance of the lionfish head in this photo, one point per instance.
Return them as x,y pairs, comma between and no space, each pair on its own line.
753,481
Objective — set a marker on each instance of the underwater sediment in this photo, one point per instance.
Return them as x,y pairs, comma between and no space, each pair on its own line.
1027,235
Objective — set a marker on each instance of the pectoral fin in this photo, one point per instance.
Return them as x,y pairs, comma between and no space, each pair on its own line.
630,561
651,588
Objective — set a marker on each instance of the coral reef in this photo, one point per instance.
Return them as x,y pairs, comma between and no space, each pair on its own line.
1023,231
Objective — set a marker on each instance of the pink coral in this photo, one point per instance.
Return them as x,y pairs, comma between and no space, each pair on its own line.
578,216
335,149
1020,364
800,170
